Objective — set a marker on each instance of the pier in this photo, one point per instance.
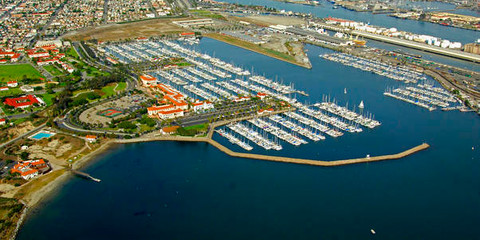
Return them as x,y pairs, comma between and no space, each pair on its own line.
85,175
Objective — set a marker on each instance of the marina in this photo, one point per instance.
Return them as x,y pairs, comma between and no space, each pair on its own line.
232,139
254,136
195,183
399,73
344,112
422,97
314,136
336,122
276,131
405,99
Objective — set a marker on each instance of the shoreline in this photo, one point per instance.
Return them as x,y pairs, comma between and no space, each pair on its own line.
37,197
49,189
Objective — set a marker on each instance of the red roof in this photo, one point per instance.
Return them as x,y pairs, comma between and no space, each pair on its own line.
36,162
148,78
337,19
171,111
175,101
21,101
158,108
28,167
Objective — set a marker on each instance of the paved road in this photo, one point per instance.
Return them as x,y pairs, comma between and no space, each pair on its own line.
67,126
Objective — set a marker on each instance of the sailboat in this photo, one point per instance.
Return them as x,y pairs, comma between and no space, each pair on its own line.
345,90
361,105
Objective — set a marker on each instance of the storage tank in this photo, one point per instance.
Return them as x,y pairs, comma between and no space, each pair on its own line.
445,44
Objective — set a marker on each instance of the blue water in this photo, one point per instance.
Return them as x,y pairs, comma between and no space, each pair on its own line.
467,12
41,135
169,190
452,34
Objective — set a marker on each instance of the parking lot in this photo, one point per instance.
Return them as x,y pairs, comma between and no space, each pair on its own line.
125,104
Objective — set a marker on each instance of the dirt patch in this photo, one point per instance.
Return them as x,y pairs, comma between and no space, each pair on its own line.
147,28
57,149
13,132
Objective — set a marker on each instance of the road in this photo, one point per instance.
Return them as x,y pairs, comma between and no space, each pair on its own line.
61,123
22,136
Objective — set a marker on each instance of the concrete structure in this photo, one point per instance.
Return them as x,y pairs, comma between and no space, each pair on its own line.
202,106
194,23
420,46
472,48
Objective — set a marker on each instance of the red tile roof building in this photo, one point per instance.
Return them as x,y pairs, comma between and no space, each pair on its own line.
148,80
12,83
175,103
30,169
91,138
23,102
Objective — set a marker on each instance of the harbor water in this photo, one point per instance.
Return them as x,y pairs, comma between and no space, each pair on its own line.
170,190
325,10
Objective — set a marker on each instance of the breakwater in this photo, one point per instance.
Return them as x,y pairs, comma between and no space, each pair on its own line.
229,152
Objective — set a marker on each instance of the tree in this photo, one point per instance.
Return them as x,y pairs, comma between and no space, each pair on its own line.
24,155
127,125
49,88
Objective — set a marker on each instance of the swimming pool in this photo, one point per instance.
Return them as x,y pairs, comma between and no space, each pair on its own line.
41,135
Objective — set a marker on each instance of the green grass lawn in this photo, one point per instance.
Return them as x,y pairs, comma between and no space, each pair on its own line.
121,86
205,13
72,53
202,126
108,90
10,92
145,127
19,121
48,98
80,91
53,70
17,72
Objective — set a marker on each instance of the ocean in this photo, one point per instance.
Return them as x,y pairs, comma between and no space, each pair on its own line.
170,190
